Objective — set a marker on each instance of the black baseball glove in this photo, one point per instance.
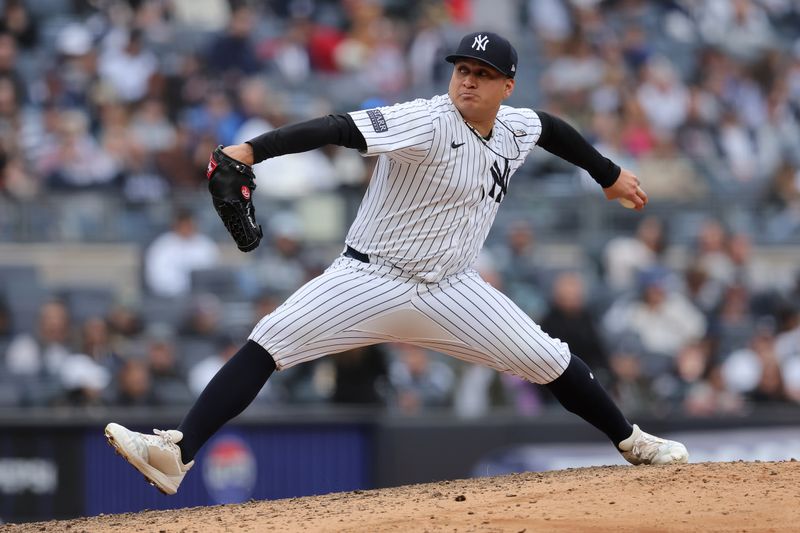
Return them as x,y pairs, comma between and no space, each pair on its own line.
231,184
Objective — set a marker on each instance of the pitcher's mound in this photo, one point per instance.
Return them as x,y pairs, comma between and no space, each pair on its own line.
704,497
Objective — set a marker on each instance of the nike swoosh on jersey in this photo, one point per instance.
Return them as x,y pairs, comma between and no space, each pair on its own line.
456,145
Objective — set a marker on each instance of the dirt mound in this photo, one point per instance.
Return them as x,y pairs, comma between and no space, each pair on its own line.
736,496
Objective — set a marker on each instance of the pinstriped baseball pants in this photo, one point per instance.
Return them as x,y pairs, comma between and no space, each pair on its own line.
355,304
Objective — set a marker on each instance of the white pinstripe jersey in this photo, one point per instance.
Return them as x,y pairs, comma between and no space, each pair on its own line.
436,188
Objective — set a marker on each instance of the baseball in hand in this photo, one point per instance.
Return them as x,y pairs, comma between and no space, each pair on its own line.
626,203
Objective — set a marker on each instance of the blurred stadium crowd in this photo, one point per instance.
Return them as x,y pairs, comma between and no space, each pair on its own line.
109,110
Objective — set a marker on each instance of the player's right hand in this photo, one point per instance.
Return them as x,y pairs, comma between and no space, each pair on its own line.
627,187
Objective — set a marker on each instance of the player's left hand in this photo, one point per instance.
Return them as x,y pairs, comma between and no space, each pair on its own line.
231,184
627,187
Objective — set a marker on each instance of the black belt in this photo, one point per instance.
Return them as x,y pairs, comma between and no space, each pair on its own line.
355,254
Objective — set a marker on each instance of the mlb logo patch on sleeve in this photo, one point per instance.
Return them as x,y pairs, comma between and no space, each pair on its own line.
378,122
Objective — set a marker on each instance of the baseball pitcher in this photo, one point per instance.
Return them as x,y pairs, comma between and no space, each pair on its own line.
406,271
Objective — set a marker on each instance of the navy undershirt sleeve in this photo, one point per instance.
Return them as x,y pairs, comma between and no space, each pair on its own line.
561,139
303,136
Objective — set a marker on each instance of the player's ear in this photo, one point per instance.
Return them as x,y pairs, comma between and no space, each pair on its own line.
509,88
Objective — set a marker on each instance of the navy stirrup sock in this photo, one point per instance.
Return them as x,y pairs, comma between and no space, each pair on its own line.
231,390
580,393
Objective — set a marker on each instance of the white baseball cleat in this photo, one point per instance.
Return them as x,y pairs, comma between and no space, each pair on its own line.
644,449
157,456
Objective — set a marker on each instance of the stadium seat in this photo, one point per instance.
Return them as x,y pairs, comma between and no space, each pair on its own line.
167,311
23,293
220,281
86,302
192,351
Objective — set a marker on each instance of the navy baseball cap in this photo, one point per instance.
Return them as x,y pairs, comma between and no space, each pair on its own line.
489,48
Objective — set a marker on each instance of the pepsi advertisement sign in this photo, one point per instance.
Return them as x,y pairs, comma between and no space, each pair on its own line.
229,469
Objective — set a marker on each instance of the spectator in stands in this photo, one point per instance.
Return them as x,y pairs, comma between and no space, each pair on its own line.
371,51
418,380
125,325
201,15
203,319
778,134
740,27
6,327
84,381
784,195
702,290
169,383
172,256
740,253
180,164
570,320
520,267
232,54
479,389
266,302
128,67
150,126
134,386
427,46
215,116
700,387
288,53
732,325
697,136
361,376
9,68
638,137
72,80
77,161
10,119
787,347
18,21
663,96
710,251
42,353
285,267
96,343
755,370
670,175
632,382
637,47
550,21
625,257
16,179
575,72
737,147
662,318
784,192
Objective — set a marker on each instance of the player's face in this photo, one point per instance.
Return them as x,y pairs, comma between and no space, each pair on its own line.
477,89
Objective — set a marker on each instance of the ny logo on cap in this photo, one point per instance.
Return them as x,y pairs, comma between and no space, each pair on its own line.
480,42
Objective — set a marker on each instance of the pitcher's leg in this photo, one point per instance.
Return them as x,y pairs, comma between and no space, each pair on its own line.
504,334
494,331
498,334
321,318
324,315
580,393
228,393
